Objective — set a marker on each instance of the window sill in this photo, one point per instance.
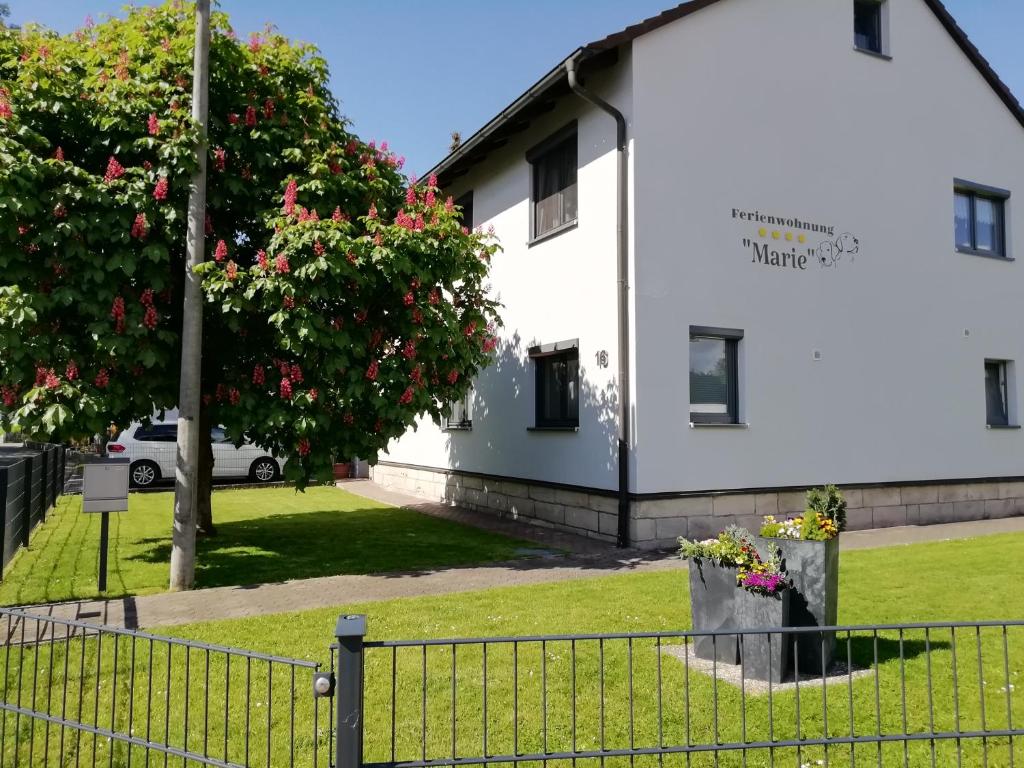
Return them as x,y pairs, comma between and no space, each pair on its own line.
718,425
1002,426
465,427
569,225
983,254
553,429
875,54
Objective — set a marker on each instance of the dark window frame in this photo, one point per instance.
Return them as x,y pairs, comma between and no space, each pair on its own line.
1003,376
878,34
999,197
542,356
465,202
156,433
732,338
536,157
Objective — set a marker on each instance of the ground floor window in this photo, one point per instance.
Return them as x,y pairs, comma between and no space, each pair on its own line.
461,414
558,384
714,365
996,393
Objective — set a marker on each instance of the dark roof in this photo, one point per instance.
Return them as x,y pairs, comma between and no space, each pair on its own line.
541,97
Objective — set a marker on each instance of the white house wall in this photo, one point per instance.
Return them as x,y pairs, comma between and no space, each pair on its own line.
559,289
765,106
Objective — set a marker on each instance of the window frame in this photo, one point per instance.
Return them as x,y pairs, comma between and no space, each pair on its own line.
536,157
882,24
466,423
542,356
1000,198
465,203
732,338
1003,373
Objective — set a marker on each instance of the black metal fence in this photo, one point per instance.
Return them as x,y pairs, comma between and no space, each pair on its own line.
31,479
78,694
939,694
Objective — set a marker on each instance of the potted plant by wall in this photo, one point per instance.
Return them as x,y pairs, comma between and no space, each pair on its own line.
714,570
763,600
342,469
809,547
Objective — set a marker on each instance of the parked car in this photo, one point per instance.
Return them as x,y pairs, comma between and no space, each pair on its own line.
152,451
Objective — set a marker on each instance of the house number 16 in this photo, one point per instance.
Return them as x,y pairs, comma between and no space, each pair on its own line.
602,359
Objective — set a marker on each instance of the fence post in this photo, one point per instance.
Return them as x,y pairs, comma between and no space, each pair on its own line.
348,691
26,523
4,481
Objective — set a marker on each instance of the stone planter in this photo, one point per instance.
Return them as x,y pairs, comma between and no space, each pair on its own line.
713,607
814,568
763,656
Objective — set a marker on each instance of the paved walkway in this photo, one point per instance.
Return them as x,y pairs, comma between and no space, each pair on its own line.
588,561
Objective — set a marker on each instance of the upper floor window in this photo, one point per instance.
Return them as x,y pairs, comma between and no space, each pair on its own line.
553,195
714,379
465,203
869,25
558,385
979,219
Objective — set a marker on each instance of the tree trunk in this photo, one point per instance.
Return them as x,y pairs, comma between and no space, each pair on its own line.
204,481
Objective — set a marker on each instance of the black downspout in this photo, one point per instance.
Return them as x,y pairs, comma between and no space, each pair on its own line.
622,253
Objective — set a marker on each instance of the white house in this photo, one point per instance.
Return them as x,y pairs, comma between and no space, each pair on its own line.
797,268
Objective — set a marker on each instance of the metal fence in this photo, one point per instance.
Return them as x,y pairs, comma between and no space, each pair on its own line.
79,694
31,479
938,694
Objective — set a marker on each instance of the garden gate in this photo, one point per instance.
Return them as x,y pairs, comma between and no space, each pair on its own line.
79,694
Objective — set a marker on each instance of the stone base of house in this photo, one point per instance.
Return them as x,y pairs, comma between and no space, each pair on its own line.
657,523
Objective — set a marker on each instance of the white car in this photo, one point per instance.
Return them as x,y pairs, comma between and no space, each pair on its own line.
152,451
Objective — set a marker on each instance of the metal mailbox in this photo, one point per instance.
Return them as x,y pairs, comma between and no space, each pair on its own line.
105,486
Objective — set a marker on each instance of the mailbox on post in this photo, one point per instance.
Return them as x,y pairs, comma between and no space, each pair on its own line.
105,490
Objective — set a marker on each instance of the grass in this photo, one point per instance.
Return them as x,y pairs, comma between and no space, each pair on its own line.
264,535
963,580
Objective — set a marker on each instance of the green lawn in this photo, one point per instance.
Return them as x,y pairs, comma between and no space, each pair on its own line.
963,580
264,535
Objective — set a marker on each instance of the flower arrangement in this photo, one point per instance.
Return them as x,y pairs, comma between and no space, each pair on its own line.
733,549
765,577
824,519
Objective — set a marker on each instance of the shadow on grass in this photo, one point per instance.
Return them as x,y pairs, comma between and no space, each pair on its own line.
398,543
863,654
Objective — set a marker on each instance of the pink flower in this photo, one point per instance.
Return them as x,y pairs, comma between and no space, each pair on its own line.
234,396
153,125
409,299
261,259
372,214
221,252
233,118
59,154
295,373
338,215
102,379
146,299
291,192
140,228
453,377
231,270
5,110
72,371
410,196
250,116
281,264
114,170
151,318
289,302
268,108
220,156
286,389
430,198
318,248
432,181
303,447
313,394
409,350
372,370
258,375
160,191
406,397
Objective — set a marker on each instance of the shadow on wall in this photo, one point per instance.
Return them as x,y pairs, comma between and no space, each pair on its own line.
503,408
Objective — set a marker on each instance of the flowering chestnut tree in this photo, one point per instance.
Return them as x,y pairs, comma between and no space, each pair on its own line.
343,300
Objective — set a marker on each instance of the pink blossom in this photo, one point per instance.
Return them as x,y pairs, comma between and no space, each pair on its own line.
160,190
221,251
153,125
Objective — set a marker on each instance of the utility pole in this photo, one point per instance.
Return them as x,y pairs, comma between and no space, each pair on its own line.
183,539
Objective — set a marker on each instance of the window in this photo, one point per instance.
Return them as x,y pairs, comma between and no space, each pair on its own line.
157,433
461,414
714,390
553,197
979,216
558,385
218,435
996,402
466,204
869,25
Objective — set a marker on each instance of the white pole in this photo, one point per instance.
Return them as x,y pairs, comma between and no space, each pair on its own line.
183,551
